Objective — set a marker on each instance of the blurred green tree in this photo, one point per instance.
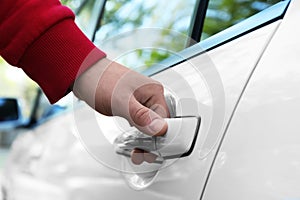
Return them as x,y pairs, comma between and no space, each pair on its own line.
222,14
173,17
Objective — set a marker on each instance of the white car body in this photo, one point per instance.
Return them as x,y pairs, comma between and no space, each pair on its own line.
254,155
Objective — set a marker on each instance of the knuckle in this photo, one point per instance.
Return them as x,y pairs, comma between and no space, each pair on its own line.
160,87
141,116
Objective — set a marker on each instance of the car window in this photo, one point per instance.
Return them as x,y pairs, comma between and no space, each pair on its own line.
160,24
175,19
141,33
222,14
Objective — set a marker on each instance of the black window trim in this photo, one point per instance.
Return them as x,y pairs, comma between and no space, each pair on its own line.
197,21
96,15
80,7
252,23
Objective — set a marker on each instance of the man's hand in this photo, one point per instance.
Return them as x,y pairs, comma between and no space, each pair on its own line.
115,90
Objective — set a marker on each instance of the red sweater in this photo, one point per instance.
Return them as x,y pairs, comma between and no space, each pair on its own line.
40,37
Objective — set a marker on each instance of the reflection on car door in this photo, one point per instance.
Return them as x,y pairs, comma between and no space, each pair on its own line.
192,81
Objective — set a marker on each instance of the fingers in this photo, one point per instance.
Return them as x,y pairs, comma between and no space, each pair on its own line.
146,120
147,117
158,105
149,157
138,156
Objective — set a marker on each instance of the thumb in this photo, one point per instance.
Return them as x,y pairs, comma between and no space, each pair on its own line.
146,120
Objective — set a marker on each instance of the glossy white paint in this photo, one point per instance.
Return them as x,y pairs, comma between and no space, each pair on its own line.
260,155
56,157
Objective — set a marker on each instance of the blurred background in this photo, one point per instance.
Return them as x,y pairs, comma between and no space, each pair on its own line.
14,83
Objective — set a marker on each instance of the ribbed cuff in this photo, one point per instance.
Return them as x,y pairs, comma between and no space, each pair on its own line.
56,58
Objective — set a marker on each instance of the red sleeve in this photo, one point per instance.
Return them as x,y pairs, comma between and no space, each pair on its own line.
40,36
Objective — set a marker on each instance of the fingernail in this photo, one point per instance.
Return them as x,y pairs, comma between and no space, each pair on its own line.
157,125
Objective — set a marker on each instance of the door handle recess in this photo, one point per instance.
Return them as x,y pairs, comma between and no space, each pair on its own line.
179,140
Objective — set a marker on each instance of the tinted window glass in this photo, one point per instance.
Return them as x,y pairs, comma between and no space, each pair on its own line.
222,14
8,110
161,24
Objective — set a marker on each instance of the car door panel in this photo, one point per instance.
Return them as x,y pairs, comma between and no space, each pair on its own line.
234,62
262,143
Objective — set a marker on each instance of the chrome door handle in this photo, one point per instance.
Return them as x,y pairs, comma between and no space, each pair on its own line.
177,142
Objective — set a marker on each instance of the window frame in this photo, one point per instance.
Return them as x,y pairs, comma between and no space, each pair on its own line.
259,20
195,30
198,21
263,18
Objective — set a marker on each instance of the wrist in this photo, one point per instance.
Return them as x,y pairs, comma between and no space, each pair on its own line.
86,84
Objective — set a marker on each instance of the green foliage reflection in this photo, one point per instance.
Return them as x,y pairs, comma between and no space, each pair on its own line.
171,17
222,14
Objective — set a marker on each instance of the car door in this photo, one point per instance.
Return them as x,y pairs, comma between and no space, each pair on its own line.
206,80
262,143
